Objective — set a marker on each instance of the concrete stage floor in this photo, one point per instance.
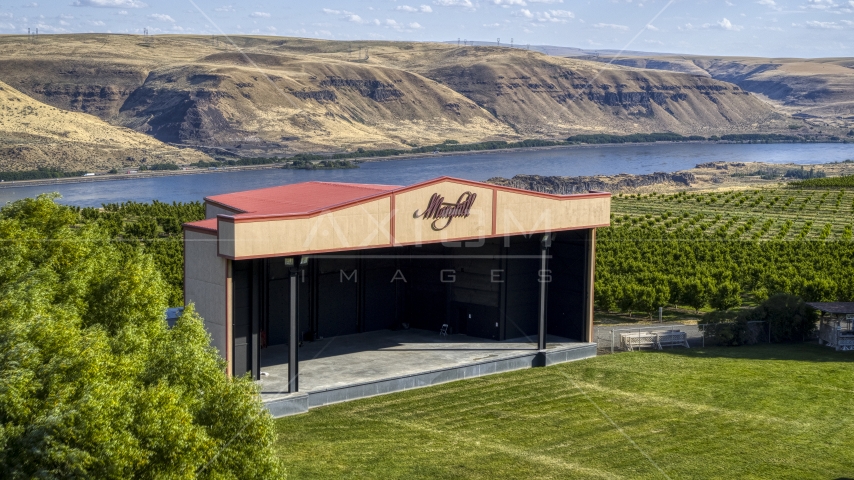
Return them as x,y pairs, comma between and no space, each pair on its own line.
339,362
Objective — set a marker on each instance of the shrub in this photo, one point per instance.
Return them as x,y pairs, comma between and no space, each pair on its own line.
788,316
721,327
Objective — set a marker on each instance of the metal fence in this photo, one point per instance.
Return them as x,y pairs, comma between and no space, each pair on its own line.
660,336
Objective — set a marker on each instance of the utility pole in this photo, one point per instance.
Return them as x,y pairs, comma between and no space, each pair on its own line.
498,42
458,41
511,43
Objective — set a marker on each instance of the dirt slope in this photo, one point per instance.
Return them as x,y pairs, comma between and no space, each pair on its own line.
34,135
269,95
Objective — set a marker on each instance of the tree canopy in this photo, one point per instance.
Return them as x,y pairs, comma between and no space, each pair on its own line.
93,384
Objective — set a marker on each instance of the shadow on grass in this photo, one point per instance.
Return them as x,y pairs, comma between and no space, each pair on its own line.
802,352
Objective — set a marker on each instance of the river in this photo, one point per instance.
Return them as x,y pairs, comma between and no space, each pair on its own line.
569,161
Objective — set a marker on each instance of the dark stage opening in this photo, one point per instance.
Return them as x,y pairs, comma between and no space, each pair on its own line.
489,289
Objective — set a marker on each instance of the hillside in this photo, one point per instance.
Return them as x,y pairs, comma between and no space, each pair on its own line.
34,135
819,90
273,95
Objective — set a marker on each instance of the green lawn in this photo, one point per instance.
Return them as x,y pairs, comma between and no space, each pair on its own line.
767,411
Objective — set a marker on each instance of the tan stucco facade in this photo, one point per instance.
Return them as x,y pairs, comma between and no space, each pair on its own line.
392,219
409,229
519,213
364,225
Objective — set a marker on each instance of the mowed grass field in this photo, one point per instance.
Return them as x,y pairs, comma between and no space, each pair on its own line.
767,411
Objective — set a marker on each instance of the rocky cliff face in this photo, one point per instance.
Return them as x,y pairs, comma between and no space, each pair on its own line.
277,96
811,87
83,85
573,185
550,96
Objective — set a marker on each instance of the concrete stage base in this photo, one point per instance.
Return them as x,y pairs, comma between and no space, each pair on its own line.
350,367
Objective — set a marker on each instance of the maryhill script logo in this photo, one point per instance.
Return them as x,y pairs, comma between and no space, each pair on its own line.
442,212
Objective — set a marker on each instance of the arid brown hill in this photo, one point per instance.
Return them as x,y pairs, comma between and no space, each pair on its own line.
821,88
280,95
34,135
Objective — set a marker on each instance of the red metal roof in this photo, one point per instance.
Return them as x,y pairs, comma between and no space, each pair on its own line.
208,225
298,198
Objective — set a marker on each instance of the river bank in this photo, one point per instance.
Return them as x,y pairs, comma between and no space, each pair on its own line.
103,177
187,186
705,177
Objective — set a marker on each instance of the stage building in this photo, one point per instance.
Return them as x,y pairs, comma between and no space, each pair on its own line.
500,271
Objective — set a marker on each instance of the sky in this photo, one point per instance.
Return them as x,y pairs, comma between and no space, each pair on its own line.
766,28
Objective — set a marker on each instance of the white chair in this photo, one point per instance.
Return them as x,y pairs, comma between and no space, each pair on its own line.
444,330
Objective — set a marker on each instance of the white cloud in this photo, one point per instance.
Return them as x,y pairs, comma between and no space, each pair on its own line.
546,1
554,16
225,8
822,4
259,15
823,25
561,13
611,25
652,27
454,3
727,25
6,15
421,9
353,18
415,26
521,3
109,3
161,17
724,24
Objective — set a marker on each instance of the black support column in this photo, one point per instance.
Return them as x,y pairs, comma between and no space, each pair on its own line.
589,281
293,341
543,277
255,345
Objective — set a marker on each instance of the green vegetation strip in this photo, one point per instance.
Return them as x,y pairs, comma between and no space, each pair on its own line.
846,181
770,411
38,174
